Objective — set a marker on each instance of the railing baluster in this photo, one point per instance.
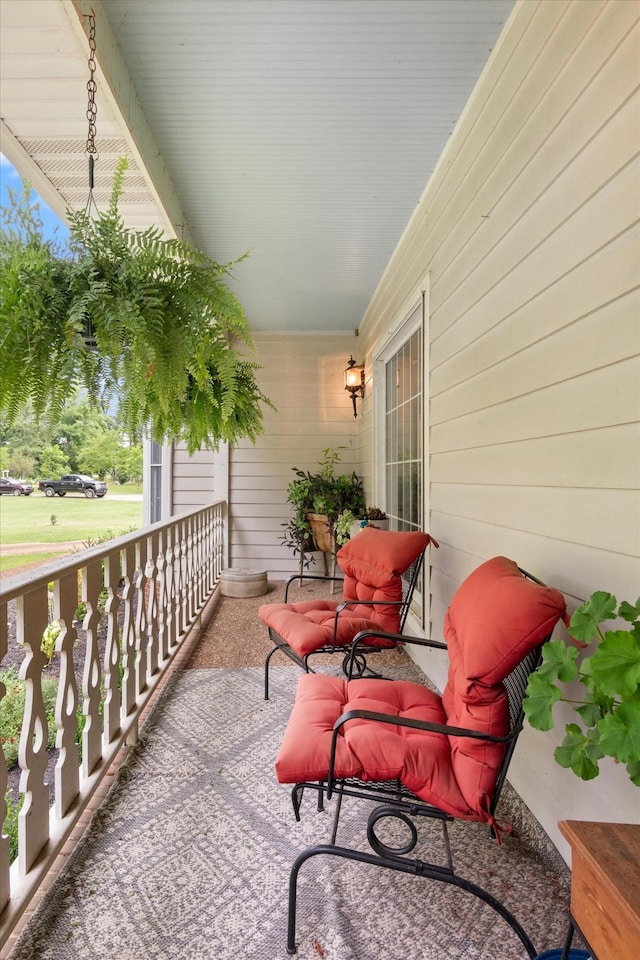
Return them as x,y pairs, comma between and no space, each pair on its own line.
128,632
33,820
151,591
92,674
170,585
161,591
141,617
184,570
67,772
111,664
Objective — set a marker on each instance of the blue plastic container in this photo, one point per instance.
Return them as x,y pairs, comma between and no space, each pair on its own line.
556,954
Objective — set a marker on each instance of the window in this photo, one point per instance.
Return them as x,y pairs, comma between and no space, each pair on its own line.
155,494
403,428
157,482
400,431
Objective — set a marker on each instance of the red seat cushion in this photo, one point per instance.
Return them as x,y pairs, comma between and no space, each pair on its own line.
373,563
422,761
309,625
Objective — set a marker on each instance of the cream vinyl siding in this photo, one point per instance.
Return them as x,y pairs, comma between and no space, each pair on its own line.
303,376
193,478
529,231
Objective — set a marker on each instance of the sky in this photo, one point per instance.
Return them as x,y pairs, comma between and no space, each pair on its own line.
9,177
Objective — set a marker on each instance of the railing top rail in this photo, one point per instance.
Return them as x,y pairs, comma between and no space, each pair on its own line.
25,582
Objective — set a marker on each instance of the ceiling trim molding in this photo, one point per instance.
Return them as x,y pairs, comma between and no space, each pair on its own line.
23,161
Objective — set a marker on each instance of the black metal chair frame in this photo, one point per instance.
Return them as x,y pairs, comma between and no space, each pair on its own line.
395,801
358,666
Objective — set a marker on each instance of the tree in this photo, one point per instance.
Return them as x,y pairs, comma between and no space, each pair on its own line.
21,465
53,463
129,468
99,454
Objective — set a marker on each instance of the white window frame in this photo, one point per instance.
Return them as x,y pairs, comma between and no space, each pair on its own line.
414,316
165,468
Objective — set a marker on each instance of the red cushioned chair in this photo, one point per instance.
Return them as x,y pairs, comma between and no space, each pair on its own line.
418,753
381,568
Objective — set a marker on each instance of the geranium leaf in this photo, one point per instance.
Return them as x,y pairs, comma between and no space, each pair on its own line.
584,623
579,752
589,711
630,612
558,662
620,732
538,703
633,769
615,665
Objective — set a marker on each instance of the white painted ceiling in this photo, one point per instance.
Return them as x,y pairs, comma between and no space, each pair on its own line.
303,131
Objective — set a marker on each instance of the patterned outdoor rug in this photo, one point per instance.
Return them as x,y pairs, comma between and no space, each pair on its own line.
189,857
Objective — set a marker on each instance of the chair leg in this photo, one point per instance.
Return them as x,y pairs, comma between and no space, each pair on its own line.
336,818
402,865
266,671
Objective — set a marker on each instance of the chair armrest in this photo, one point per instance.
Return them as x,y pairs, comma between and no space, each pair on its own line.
307,576
399,637
416,725
370,603
353,603
401,722
382,635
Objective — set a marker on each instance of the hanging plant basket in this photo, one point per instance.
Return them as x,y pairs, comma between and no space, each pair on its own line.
145,325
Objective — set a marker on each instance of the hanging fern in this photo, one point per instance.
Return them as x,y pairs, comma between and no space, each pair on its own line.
131,317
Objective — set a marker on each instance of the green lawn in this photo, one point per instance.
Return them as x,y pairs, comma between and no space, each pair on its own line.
40,519
15,563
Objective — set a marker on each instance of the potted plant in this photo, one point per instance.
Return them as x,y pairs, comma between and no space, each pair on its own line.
318,499
348,525
145,323
377,518
608,706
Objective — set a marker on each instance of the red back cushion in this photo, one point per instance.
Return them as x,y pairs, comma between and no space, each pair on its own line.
495,619
498,617
373,563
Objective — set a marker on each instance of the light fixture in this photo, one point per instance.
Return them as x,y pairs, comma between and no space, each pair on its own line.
354,381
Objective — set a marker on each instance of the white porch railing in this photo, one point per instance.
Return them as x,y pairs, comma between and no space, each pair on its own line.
143,594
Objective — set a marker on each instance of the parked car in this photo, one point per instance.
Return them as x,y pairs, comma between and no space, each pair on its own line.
73,483
15,487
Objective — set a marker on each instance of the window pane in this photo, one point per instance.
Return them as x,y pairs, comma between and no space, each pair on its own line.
403,441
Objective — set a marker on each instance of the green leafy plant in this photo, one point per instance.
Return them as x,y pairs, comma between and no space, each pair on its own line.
130,317
609,708
11,823
12,712
324,493
49,637
342,526
375,513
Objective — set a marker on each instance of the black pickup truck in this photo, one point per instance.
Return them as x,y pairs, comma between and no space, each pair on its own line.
73,483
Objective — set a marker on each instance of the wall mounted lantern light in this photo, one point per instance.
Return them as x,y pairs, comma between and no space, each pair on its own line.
354,381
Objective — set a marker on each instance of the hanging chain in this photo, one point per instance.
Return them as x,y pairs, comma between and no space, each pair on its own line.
92,110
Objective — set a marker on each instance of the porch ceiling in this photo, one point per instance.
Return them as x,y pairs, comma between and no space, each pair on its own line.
302,130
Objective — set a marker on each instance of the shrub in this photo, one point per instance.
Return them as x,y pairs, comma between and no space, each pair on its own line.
12,712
